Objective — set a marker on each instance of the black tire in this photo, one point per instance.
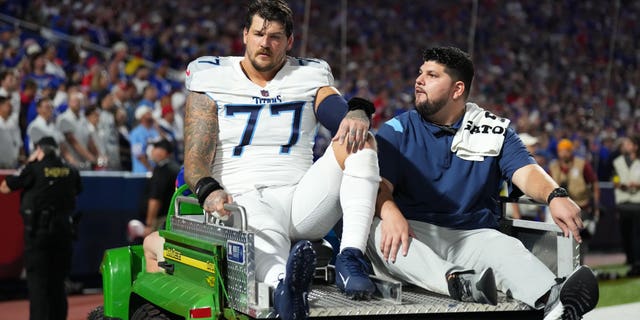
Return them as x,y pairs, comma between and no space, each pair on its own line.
148,311
96,314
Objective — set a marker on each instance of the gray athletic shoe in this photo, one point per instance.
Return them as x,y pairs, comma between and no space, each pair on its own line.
471,287
573,297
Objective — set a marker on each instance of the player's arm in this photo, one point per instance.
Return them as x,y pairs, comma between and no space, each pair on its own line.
201,131
348,122
537,184
395,229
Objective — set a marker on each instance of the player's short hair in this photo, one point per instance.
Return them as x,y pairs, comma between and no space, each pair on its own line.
271,10
458,64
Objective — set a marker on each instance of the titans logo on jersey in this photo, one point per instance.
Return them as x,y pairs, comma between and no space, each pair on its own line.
266,133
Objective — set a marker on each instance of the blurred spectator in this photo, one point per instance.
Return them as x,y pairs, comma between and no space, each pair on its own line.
12,153
160,79
52,63
578,177
92,114
9,89
47,92
627,194
150,99
100,84
116,64
38,73
27,96
603,158
75,129
527,211
43,126
108,131
170,128
124,144
140,80
122,98
140,137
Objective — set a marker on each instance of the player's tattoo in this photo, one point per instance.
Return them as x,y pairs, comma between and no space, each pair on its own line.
357,115
200,136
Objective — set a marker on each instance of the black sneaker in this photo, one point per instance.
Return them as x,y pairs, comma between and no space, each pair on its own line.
573,297
352,274
290,297
471,287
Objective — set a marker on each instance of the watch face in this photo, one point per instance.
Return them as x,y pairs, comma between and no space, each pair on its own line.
561,192
558,192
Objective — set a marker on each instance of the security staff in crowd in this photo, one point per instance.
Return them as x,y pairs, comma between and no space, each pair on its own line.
161,185
49,189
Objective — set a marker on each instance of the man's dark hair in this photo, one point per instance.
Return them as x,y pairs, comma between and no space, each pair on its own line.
48,145
41,101
458,64
4,74
635,139
271,10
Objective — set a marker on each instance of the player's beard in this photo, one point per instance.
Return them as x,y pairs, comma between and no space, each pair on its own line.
270,66
428,108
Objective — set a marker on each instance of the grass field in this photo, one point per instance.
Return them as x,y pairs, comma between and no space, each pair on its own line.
619,291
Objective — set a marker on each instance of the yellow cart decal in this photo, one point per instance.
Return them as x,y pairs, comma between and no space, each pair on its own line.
176,255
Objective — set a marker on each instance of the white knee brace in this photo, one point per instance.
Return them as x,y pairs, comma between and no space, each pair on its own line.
363,164
358,193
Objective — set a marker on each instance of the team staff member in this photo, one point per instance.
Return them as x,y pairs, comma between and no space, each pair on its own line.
161,185
627,195
49,190
577,176
443,166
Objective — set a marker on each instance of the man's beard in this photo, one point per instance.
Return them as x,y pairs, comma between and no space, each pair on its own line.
264,68
428,108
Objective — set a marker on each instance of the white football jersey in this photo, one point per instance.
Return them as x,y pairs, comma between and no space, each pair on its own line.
266,133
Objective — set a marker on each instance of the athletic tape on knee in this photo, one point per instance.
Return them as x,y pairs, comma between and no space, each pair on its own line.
358,196
363,164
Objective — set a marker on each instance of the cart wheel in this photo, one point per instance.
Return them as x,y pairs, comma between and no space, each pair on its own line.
96,314
148,311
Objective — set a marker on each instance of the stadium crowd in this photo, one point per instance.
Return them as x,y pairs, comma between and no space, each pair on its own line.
558,69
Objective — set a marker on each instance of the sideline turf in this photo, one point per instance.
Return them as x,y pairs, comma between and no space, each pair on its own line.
618,291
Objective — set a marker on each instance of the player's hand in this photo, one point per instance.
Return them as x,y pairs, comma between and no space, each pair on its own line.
566,214
395,234
215,203
353,130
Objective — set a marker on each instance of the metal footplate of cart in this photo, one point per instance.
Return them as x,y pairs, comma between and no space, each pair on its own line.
246,295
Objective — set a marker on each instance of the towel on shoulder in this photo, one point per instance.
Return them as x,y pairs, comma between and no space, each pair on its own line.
480,135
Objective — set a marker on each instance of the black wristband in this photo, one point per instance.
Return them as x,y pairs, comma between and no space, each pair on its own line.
557,192
357,103
204,187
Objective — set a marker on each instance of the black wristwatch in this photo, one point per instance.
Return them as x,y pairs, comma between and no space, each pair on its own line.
557,192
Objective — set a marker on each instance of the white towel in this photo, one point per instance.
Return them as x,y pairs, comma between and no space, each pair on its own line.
480,135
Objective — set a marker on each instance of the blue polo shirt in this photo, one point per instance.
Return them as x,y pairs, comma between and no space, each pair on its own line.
433,185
